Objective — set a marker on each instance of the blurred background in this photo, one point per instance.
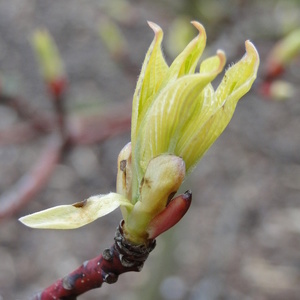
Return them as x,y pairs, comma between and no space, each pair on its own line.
241,238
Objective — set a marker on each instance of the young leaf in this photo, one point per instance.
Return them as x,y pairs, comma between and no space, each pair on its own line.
172,110
186,62
220,107
152,74
77,214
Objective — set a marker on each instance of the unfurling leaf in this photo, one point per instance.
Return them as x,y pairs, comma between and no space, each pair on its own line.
77,214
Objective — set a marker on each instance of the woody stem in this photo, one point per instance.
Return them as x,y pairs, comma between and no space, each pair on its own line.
121,257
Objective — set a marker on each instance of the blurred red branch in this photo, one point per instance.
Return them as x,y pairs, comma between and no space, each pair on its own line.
17,134
33,181
20,106
83,130
96,128
73,131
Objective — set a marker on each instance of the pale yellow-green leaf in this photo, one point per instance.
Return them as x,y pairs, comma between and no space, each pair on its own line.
213,119
76,215
238,79
173,108
205,106
180,33
186,61
202,112
153,72
163,177
50,63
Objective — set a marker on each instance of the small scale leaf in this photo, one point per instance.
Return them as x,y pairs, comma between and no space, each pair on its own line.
124,176
77,214
123,185
163,177
170,216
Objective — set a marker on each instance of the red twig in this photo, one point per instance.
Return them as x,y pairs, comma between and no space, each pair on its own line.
26,131
92,130
82,130
57,90
121,257
19,133
98,128
35,122
37,119
21,107
32,182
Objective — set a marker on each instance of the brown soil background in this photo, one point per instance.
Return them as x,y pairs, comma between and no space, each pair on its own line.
241,238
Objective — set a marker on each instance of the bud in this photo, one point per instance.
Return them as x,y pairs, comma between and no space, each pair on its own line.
283,53
50,62
176,116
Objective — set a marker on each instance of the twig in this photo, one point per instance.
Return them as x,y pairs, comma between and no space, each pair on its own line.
84,130
57,90
98,128
21,107
32,182
35,122
121,257
26,131
91,130
18,134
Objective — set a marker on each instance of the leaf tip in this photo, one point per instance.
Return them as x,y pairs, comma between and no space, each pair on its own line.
156,28
21,220
251,51
25,220
200,28
222,57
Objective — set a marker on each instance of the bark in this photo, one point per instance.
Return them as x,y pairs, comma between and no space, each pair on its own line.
121,257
